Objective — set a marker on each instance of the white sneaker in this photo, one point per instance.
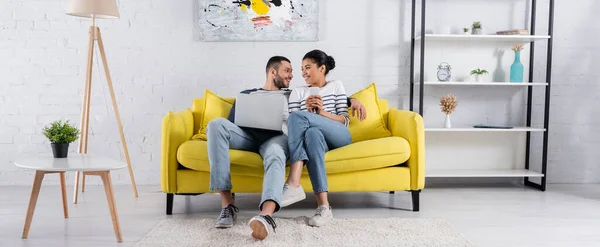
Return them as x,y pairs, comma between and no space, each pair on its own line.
321,217
291,195
262,226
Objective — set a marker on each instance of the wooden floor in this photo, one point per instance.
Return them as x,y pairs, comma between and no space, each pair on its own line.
507,215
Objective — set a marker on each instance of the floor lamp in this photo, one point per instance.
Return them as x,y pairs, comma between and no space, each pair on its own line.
96,9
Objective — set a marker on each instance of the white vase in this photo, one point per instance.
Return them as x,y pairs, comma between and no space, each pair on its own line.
447,123
478,78
477,31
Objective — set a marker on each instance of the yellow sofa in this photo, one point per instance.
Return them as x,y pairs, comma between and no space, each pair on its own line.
395,163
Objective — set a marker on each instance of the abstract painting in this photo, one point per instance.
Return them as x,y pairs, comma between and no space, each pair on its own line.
258,20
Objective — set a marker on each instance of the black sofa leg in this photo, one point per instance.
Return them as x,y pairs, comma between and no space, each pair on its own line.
415,199
170,203
392,192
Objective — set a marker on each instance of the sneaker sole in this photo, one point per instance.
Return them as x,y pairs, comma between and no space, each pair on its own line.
292,200
223,226
258,230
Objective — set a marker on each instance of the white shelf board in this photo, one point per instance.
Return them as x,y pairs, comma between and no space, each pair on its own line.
486,37
472,129
472,173
455,83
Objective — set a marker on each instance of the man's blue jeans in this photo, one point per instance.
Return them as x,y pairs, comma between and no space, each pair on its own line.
223,135
309,137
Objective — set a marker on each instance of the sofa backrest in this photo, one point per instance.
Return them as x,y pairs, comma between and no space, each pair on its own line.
198,107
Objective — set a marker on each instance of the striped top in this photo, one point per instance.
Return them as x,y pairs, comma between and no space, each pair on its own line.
335,100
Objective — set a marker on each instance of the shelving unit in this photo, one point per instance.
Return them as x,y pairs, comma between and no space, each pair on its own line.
500,40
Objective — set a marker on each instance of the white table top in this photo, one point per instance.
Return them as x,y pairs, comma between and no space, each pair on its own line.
74,162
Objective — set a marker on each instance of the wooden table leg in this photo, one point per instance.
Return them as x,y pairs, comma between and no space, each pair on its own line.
35,191
111,203
63,188
76,190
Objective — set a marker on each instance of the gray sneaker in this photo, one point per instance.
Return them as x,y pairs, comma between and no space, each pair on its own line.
227,217
321,217
262,226
291,195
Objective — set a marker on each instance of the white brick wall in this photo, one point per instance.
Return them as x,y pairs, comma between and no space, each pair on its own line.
157,65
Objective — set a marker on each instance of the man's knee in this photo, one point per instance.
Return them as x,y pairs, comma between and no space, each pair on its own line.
217,125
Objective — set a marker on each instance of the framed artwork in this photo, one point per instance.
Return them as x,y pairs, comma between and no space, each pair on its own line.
258,20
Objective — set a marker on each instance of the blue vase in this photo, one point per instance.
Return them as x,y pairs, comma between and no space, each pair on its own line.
516,69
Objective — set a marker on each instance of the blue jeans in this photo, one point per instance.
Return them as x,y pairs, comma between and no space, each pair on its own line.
223,135
309,137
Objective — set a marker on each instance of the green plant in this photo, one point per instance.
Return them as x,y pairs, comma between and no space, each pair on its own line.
476,24
478,71
465,29
60,132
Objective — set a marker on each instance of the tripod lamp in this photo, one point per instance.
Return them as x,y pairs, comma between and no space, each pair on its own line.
96,9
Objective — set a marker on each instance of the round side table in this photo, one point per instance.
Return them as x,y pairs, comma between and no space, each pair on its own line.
90,164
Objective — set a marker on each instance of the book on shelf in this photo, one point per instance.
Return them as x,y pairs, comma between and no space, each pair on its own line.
513,32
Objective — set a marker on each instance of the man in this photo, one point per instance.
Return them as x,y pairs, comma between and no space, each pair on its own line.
223,134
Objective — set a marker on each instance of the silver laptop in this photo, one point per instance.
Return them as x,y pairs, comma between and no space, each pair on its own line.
261,110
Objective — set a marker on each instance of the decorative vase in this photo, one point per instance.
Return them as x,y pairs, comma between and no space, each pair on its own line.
60,150
516,69
477,31
447,123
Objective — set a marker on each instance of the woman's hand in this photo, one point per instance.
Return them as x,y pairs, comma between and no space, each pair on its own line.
314,103
358,109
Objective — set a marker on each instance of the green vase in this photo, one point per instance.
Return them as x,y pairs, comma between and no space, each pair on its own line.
516,69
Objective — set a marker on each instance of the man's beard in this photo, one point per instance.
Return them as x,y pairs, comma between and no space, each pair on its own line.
279,82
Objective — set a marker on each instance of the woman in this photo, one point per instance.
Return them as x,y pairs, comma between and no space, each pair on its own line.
318,122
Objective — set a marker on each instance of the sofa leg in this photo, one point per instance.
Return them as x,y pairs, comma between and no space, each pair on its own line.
415,199
170,203
392,192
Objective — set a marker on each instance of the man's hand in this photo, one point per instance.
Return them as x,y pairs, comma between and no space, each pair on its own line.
358,109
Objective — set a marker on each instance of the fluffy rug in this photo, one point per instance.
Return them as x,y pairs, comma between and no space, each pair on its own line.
295,232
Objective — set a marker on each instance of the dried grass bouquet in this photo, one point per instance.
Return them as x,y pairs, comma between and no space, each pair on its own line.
448,103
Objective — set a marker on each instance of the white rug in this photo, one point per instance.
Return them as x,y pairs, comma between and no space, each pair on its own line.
295,232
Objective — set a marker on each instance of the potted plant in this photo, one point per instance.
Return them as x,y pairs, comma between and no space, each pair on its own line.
60,134
477,28
448,104
466,31
478,74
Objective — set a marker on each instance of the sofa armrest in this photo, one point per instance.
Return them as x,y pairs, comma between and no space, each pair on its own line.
409,125
176,128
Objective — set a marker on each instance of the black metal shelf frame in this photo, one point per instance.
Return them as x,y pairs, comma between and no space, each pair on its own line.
541,186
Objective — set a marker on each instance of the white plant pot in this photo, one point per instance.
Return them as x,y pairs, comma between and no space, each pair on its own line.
478,78
447,123
477,31
466,33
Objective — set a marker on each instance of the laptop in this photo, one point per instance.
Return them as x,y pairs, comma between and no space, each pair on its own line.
261,110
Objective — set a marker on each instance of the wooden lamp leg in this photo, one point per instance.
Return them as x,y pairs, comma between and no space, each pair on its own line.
116,109
85,109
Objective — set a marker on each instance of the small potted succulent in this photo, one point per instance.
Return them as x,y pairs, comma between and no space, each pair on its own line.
60,134
477,28
478,74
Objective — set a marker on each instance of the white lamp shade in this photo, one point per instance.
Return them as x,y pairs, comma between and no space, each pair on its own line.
104,9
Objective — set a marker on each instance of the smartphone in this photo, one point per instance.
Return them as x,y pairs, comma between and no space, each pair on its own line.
314,90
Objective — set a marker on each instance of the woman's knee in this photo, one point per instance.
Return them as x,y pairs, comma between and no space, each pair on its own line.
297,116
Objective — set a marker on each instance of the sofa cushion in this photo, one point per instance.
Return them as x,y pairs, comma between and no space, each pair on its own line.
374,126
194,155
365,155
214,107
